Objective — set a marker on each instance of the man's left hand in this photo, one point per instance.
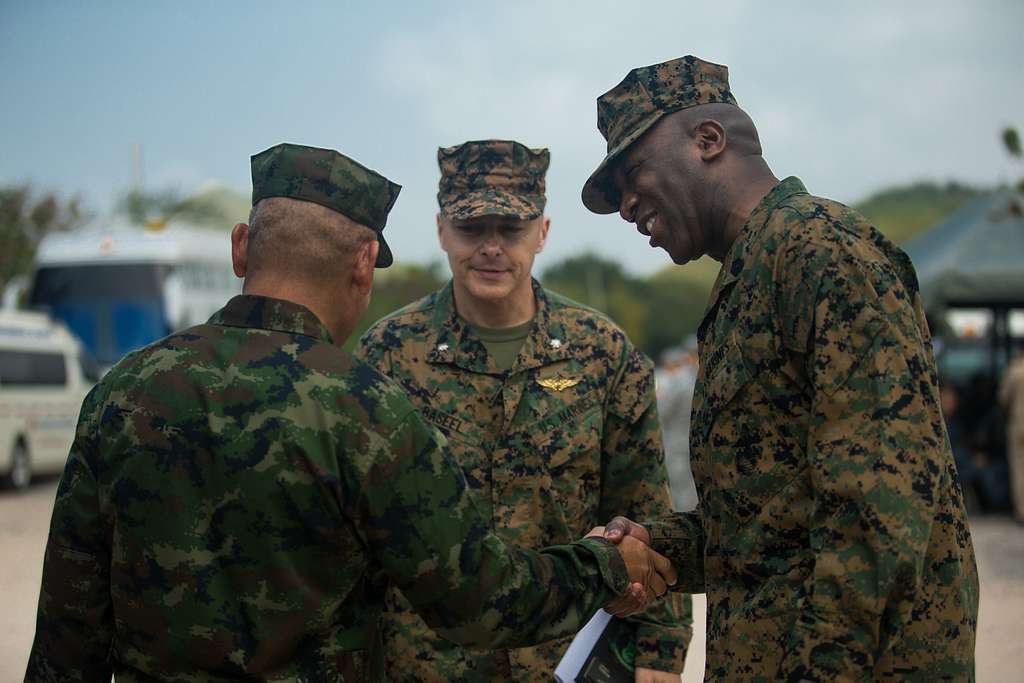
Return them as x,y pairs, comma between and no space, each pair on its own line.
653,676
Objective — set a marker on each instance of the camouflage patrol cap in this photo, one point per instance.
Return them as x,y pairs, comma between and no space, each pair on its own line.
492,177
328,178
646,94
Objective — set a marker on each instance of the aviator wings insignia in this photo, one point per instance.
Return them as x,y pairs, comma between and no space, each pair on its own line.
557,383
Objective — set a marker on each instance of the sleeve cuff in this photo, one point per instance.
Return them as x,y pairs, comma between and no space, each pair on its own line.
609,562
680,538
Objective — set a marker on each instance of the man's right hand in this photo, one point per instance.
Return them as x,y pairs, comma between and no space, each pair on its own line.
650,574
647,567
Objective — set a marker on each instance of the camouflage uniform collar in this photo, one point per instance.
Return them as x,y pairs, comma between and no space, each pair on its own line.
265,313
548,341
735,259
456,344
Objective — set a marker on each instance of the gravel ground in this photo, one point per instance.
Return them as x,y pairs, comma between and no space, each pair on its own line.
998,541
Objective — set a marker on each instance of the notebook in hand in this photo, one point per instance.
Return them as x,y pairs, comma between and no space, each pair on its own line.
604,651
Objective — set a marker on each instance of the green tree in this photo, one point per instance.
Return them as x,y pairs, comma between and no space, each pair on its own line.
141,206
602,285
215,207
1011,140
902,213
591,280
657,312
678,297
394,287
24,221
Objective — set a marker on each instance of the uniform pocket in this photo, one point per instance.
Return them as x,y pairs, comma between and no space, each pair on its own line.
569,453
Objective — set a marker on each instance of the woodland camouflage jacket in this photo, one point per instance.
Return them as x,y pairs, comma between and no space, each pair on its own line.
831,537
236,501
563,441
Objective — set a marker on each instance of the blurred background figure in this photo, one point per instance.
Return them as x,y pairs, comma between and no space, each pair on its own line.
979,452
1011,397
675,380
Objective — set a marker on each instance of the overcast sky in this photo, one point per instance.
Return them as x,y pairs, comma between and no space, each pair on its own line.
852,97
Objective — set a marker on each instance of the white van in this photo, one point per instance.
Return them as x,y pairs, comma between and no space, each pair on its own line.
43,379
118,288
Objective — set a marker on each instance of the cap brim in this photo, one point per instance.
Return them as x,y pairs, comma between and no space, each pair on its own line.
384,257
599,192
494,203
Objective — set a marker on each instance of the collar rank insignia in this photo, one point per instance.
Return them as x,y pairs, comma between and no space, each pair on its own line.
557,383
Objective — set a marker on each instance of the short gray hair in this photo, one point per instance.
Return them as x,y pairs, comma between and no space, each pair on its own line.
302,239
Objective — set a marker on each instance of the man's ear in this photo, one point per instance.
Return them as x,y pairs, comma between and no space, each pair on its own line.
240,249
710,139
365,263
544,227
441,222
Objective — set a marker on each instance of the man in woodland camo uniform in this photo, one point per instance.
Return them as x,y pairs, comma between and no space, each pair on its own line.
831,536
240,494
547,406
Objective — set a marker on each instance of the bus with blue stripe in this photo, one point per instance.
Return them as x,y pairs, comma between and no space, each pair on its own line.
118,289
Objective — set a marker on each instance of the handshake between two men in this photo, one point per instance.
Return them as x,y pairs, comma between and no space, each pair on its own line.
650,574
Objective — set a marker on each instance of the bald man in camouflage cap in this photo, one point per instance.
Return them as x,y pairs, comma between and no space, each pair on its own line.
544,401
240,494
831,538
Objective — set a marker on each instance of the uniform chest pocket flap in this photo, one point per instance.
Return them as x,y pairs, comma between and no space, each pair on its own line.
565,437
569,453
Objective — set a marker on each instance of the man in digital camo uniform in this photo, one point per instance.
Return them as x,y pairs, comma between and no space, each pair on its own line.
547,406
831,530
240,494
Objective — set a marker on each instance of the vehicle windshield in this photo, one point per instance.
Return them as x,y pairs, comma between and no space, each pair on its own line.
112,308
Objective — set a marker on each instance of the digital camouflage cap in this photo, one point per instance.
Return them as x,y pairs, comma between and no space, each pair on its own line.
330,179
492,177
646,94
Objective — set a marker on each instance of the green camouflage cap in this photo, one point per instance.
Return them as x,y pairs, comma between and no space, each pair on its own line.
492,177
646,94
330,179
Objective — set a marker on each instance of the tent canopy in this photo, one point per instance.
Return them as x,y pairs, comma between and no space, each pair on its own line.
976,257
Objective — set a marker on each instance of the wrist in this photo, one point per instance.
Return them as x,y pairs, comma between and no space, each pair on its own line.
610,564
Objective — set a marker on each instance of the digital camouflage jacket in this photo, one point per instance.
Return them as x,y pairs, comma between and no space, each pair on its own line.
834,535
237,499
563,441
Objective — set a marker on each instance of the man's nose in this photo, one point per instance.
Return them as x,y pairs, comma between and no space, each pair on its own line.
491,246
627,207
